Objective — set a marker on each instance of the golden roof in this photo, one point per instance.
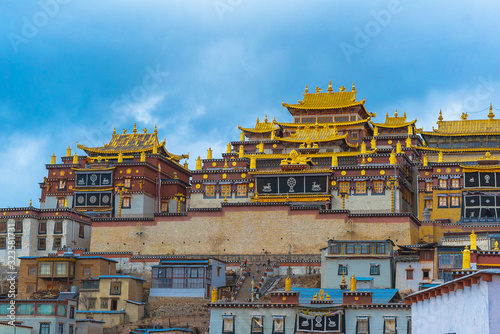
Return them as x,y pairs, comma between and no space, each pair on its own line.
394,122
310,155
261,127
133,143
314,133
327,100
339,124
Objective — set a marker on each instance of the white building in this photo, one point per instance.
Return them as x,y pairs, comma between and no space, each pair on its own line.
469,304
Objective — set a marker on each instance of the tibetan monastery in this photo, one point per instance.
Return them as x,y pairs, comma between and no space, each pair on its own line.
330,171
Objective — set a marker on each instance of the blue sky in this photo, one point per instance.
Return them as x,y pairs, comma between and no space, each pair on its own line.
72,70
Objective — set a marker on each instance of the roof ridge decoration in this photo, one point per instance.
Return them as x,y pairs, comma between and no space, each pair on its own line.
133,143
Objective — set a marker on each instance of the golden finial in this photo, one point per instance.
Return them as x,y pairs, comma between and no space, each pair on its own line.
426,160
114,131
258,120
120,157
392,158
318,90
363,161
464,116
242,136
440,156
228,148
261,147
353,283
225,199
307,90
342,88
209,153
68,151
253,163
156,130
440,118
375,131
404,114
135,128
408,141
214,295
273,135
373,143
65,202
241,152
491,114
396,113
398,147
330,89
176,177
198,163
124,131
75,159
334,160
410,130
343,279
155,149
53,159
496,246
265,119
473,237
288,284
31,203
363,148
145,130
387,115
225,164
143,156
466,258
274,119
353,87
186,165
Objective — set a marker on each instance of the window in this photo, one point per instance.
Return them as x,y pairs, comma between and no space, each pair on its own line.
92,302
3,227
425,274
86,271
354,136
44,328
334,248
309,120
257,324
41,243
344,187
362,325
31,271
381,248
72,312
428,186
278,324
18,226
115,288
71,329
443,183
81,232
61,269
18,244
389,325
455,183
31,288
374,269
225,190
25,309
126,202
45,309
361,187
164,206
378,187
57,243
408,325
428,204
42,227
62,185
443,202
343,269
60,202
353,118
2,243
365,248
227,324
210,190
58,227
455,201
61,310
127,183
61,329
324,119
104,304
350,248
45,269
90,285
242,190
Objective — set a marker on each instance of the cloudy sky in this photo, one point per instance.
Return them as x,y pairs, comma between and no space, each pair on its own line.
72,70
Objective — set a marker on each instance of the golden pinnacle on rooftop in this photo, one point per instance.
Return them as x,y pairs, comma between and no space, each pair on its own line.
258,121
440,118
396,113
491,114
114,131
135,128
330,89
145,130
265,119
318,90
307,90
464,116
342,88
124,131
353,87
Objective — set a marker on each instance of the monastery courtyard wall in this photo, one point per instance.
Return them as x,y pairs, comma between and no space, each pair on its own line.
248,229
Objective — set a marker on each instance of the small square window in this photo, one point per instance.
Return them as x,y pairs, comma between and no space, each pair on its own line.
381,248
32,271
61,202
428,204
126,202
44,329
104,304
428,186
362,325
425,273
350,248
365,248
81,232
57,243
2,243
3,227
409,274
127,182
378,187
335,248
443,202
443,183
86,271
18,227
455,201
227,324
344,187
18,242
361,187
354,136
374,269
241,190
164,206
225,190
455,183
389,325
42,227
278,324
115,288
343,269
62,185
210,190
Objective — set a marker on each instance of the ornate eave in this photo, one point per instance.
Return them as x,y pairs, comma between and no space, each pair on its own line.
337,124
455,150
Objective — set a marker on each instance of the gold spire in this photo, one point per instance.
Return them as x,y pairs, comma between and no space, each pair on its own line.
363,161
353,87
440,118
156,130
68,151
335,162
176,177
410,130
265,119
225,164
31,203
124,131
198,163
491,114
426,160
398,147
473,237
145,130
408,141
75,159
343,279
120,157
373,143
258,120
242,136
186,165
330,89
404,114
375,131
307,90
241,152
135,128
342,88
53,159
209,153
392,158
114,131
353,283
288,284
228,148
214,295
466,258
464,116
253,163
143,156
274,119
318,90
363,148
155,149
396,113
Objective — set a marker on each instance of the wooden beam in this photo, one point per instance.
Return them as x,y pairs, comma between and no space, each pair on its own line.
487,277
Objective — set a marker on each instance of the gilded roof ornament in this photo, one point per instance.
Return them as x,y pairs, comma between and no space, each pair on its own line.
307,90
114,131
330,89
124,131
396,113
225,164
318,90
198,163
440,118
404,114
135,128
209,153
464,116
228,148
491,114
342,88
68,151
265,119
145,130
353,87
31,203
392,158
53,159
75,159
156,130
186,165
258,121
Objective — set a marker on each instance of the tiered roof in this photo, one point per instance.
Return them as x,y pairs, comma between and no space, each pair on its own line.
395,122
